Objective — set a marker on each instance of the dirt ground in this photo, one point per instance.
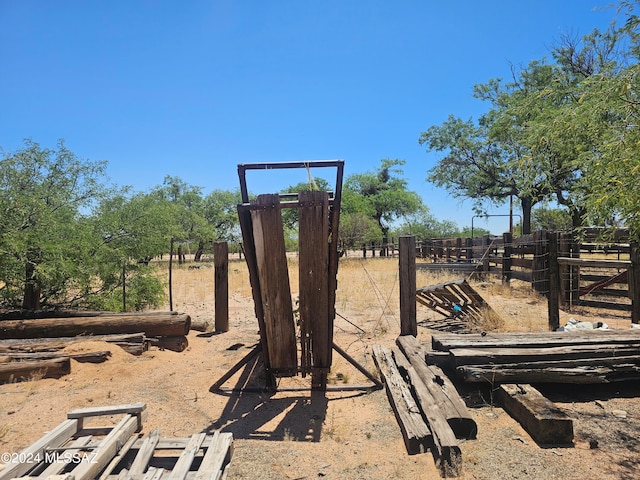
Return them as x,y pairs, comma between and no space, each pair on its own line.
349,435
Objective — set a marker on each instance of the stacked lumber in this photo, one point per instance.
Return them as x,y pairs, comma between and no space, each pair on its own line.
429,411
31,347
600,356
82,452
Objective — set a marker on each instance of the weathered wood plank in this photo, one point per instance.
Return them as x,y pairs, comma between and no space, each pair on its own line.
218,455
268,235
129,408
447,452
175,343
160,325
107,449
145,452
183,465
511,373
73,448
441,388
415,432
54,344
49,368
448,341
545,422
221,286
407,269
594,262
86,357
315,327
55,438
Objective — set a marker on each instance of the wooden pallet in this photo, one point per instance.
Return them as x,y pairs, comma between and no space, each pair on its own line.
456,300
75,450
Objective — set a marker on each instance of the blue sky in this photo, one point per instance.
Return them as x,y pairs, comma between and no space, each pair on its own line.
192,88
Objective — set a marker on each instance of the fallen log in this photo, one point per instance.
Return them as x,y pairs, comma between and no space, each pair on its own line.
150,324
200,325
133,343
67,313
85,357
20,371
448,455
415,432
176,344
545,422
440,387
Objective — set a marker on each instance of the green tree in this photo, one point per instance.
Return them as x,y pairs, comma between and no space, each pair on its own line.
544,218
127,231
423,224
357,228
186,203
66,237
43,194
382,195
220,210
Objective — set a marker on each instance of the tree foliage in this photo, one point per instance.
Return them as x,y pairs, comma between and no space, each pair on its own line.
56,249
563,131
381,195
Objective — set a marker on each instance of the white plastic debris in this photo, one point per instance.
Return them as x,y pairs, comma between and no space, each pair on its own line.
573,324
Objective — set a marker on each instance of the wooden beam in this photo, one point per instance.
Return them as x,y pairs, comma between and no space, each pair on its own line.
448,341
446,449
441,389
19,371
545,422
407,268
221,286
415,432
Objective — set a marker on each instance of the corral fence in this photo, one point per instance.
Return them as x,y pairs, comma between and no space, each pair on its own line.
570,269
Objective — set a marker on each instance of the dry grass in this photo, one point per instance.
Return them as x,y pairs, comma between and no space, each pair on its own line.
368,294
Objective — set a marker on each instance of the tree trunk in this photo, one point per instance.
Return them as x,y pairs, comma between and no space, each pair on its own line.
198,255
31,299
527,205
17,371
151,325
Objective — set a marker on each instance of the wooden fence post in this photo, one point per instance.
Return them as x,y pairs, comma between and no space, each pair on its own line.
469,245
221,264
507,239
554,282
540,262
486,242
634,281
407,266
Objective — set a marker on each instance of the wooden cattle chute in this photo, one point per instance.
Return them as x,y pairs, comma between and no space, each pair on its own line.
265,254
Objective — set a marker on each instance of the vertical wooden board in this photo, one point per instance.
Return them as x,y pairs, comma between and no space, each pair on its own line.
273,275
221,263
246,227
407,263
314,278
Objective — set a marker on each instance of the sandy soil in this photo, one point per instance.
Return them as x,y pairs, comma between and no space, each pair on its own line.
299,435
